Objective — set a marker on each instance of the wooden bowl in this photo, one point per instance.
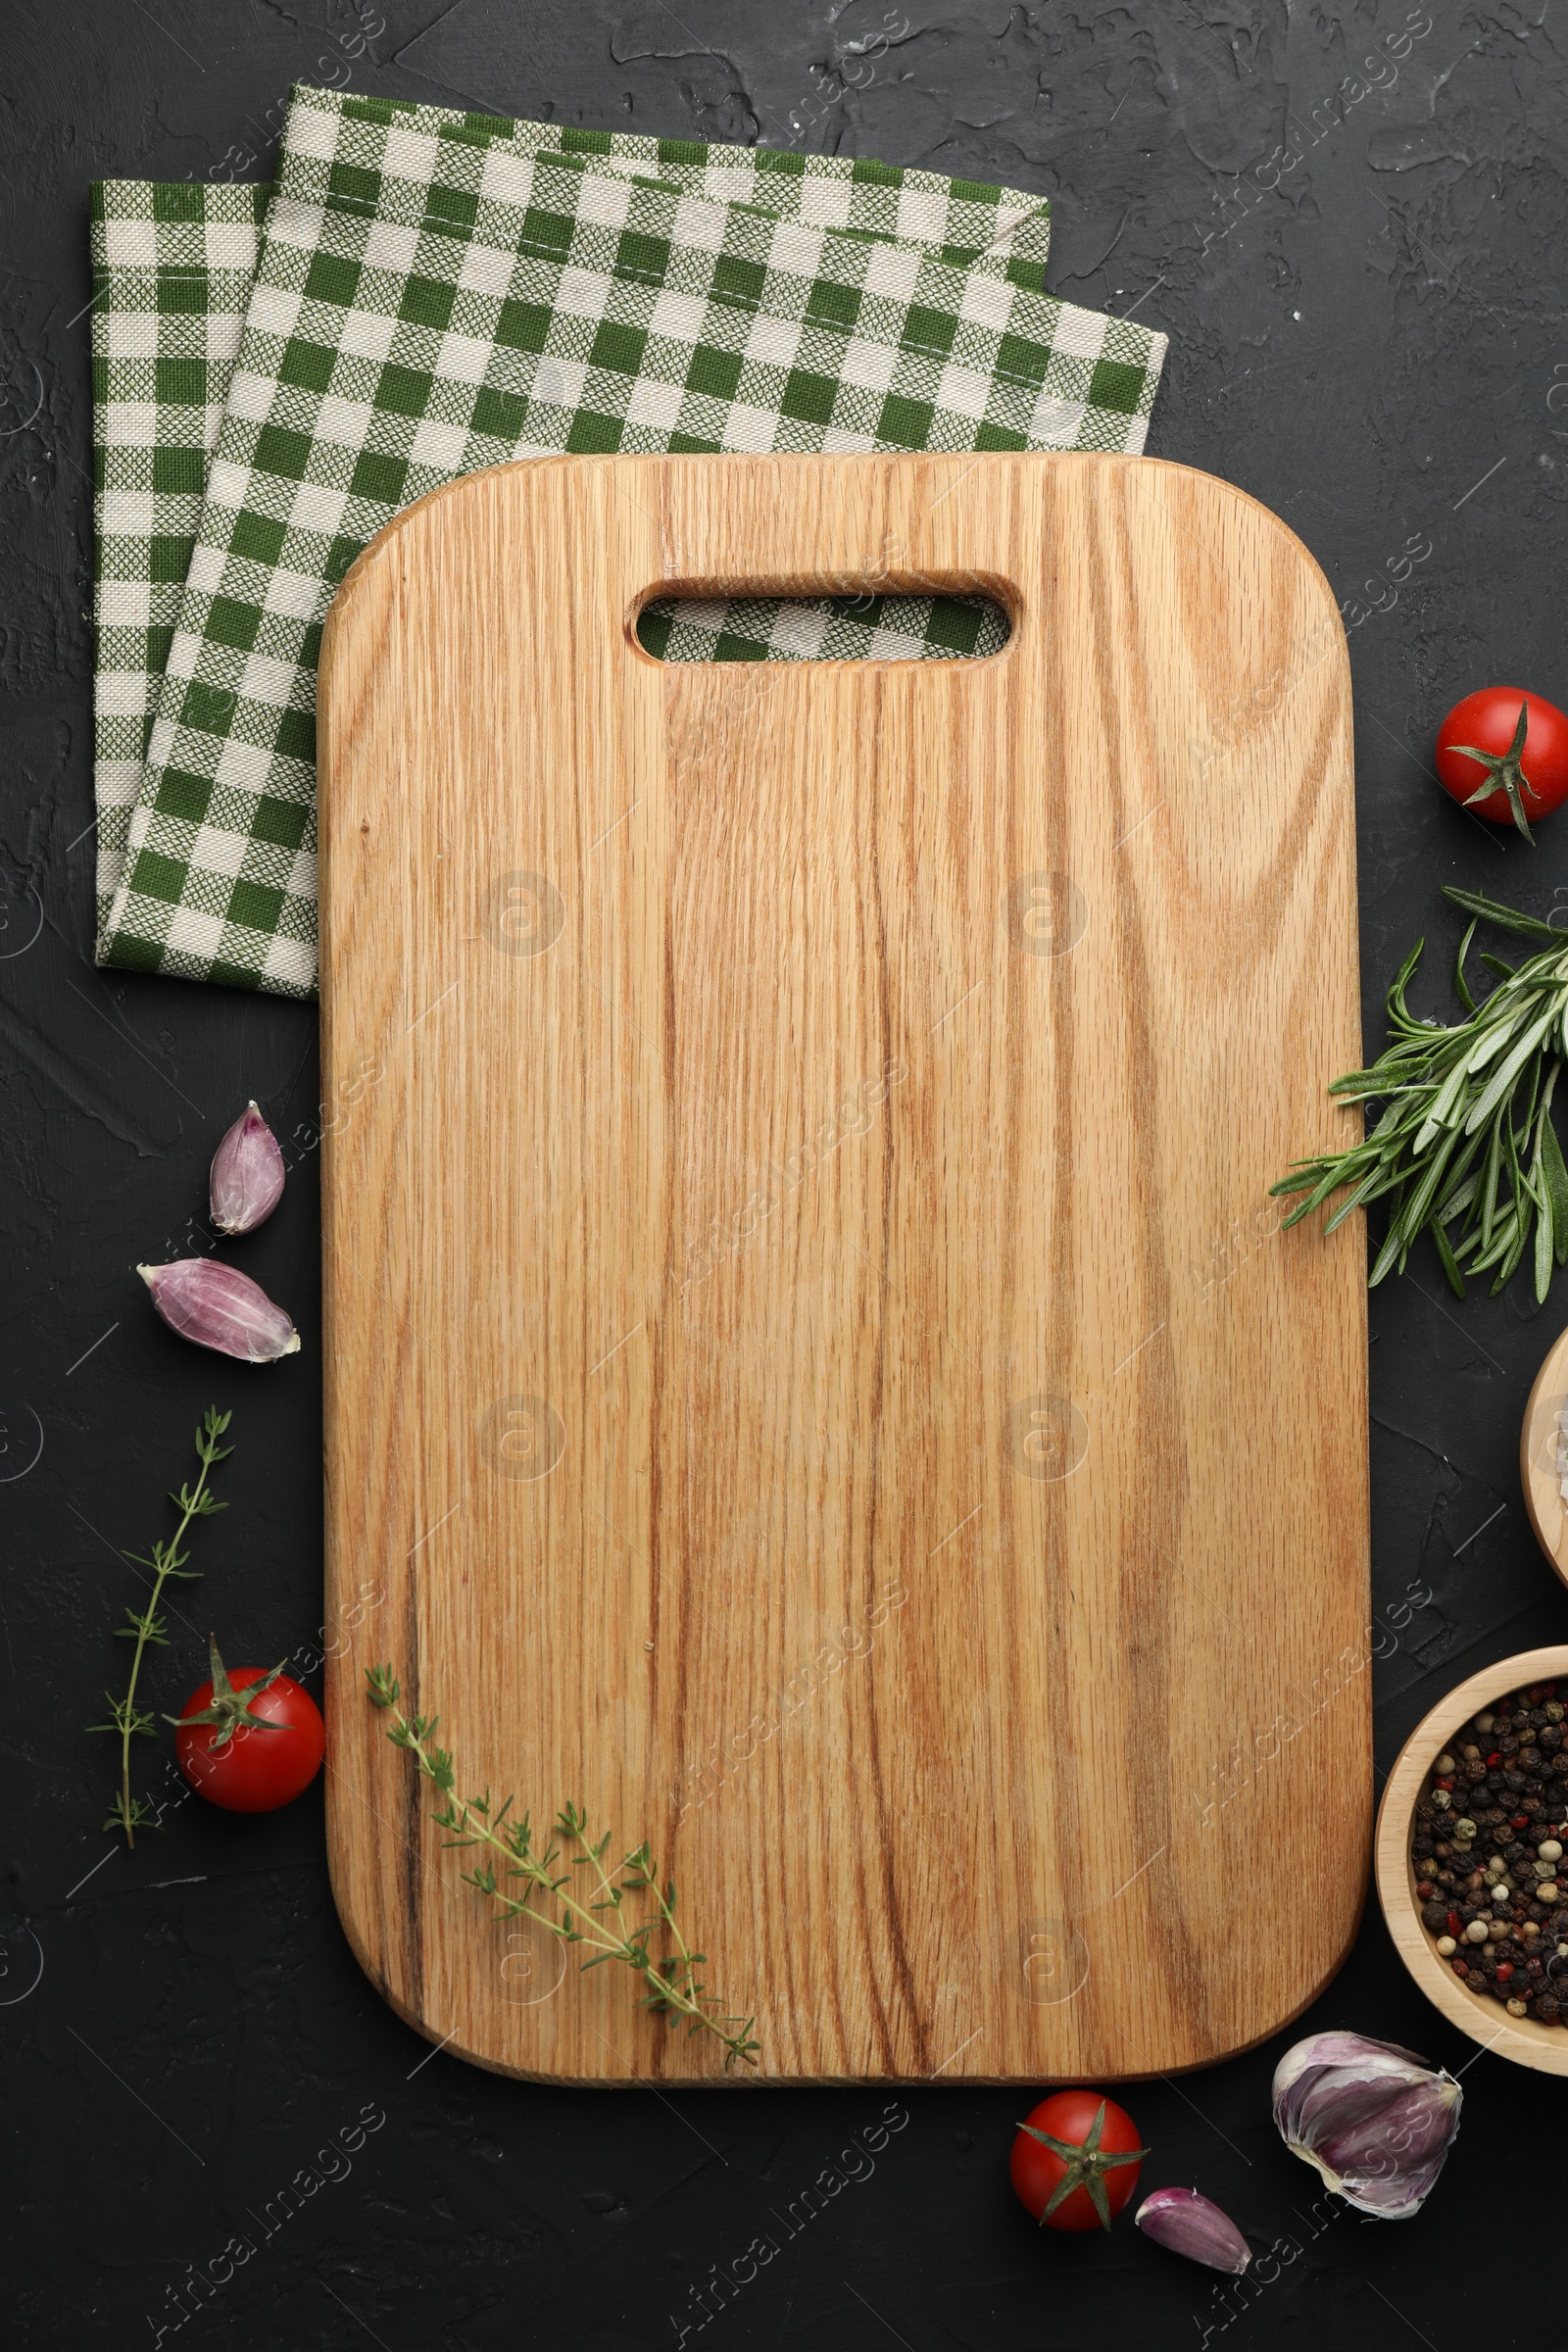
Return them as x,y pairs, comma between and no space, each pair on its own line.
1537,1457
1521,2039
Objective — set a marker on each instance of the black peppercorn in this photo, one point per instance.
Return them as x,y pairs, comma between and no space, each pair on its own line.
1435,1917
1548,2008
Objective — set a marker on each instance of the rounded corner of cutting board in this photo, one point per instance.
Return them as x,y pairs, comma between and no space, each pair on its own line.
411,518
367,1935
1278,528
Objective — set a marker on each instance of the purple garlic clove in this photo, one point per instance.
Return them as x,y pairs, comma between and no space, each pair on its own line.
1375,2120
247,1180
1185,2223
219,1308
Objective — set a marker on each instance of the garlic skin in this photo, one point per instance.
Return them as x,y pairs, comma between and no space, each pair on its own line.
1185,2223
247,1176
219,1308
1375,2120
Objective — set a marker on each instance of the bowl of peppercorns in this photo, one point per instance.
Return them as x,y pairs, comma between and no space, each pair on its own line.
1472,1835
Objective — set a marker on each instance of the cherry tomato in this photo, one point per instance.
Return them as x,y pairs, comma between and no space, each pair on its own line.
1504,753
250,1741
1076,2160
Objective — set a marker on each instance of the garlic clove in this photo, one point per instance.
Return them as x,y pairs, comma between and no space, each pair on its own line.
246,1174
218,1307
1185,2223
1374,2119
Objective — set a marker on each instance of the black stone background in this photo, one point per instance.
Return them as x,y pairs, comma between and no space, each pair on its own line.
1358,345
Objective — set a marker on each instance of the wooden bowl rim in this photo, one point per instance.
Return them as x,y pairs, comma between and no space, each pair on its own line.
1523,2040
1552,1537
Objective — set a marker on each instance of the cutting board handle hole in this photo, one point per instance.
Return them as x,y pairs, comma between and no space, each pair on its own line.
868,625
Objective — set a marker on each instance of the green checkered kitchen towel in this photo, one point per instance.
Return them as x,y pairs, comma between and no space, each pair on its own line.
173,270
429,301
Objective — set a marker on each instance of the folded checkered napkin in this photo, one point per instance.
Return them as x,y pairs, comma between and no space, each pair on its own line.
173,270
428,302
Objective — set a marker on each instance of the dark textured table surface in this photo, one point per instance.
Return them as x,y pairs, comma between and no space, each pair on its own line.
1372,342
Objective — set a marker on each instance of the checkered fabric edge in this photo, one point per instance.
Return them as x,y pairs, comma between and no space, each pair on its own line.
1003,233
428,302
172,269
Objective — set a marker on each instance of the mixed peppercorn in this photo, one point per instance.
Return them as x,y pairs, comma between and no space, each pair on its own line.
1488,1845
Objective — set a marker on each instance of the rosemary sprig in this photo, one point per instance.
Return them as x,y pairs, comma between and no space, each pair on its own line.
1465,1136
593,1913
143,1625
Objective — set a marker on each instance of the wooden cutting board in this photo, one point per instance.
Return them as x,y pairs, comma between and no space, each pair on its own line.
813,1372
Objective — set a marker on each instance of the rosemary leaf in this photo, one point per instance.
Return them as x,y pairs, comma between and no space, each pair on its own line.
1543,1243
1446,1260
1505,918
1502,1241
1505,1272
1507,1071
1556,1180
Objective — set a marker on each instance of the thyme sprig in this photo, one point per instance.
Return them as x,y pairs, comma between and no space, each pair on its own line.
593,1909
1465,1136
145,1625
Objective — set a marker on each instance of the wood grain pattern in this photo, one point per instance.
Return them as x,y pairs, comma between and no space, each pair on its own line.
1524,2040
812,1371
1538,1455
